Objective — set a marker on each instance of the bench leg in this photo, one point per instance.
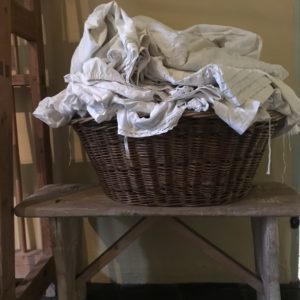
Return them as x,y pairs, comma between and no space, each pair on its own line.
266,248
67,233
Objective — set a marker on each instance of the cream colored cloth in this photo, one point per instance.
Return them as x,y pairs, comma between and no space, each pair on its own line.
147,74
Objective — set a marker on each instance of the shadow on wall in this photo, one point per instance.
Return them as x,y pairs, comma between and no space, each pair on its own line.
63,23
153,258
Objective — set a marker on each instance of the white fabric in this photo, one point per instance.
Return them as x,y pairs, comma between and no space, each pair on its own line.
148,74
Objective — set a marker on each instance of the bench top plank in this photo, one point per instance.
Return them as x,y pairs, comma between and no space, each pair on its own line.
77,200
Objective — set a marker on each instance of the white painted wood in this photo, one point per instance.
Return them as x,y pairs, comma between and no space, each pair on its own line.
266,249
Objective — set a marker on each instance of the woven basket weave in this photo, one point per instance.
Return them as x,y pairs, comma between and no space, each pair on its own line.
200,162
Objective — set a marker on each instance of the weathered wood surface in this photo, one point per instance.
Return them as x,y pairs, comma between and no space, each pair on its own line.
38,91
26,23
21,80
67,244
23,21
7,275
268,199
33,286
266,248
25,261
18,189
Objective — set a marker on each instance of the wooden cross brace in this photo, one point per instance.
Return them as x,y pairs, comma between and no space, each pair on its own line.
71,283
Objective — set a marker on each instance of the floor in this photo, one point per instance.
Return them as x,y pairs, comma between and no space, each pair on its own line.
181,292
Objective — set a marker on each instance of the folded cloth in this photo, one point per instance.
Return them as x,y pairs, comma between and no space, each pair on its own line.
147,74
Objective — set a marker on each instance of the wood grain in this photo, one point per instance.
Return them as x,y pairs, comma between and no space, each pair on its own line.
33,286
21,80
67,242
7,275
24,262
266,248
26,23
22,21
18,189
266,199
43,159
38,92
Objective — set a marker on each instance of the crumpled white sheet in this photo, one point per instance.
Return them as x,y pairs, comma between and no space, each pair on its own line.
148,74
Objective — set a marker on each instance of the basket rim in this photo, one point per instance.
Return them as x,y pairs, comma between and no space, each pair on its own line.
176,169
275,116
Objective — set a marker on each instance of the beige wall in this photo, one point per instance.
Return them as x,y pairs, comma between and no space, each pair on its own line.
161,256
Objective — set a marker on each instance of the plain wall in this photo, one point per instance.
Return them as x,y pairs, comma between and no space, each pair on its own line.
160,255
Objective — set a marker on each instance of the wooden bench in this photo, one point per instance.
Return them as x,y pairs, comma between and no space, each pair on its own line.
65,205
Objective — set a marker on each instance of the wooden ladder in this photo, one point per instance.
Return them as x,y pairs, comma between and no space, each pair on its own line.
21,19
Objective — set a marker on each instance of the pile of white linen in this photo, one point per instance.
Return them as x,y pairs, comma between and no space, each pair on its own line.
147,74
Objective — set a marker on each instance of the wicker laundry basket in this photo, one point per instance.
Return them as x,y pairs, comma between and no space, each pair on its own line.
200,162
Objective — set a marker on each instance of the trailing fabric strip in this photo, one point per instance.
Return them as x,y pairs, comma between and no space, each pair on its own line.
270,149
71,156
283,159
126,147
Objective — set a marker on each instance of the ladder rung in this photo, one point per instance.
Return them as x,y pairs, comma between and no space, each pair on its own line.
21,80
23,22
